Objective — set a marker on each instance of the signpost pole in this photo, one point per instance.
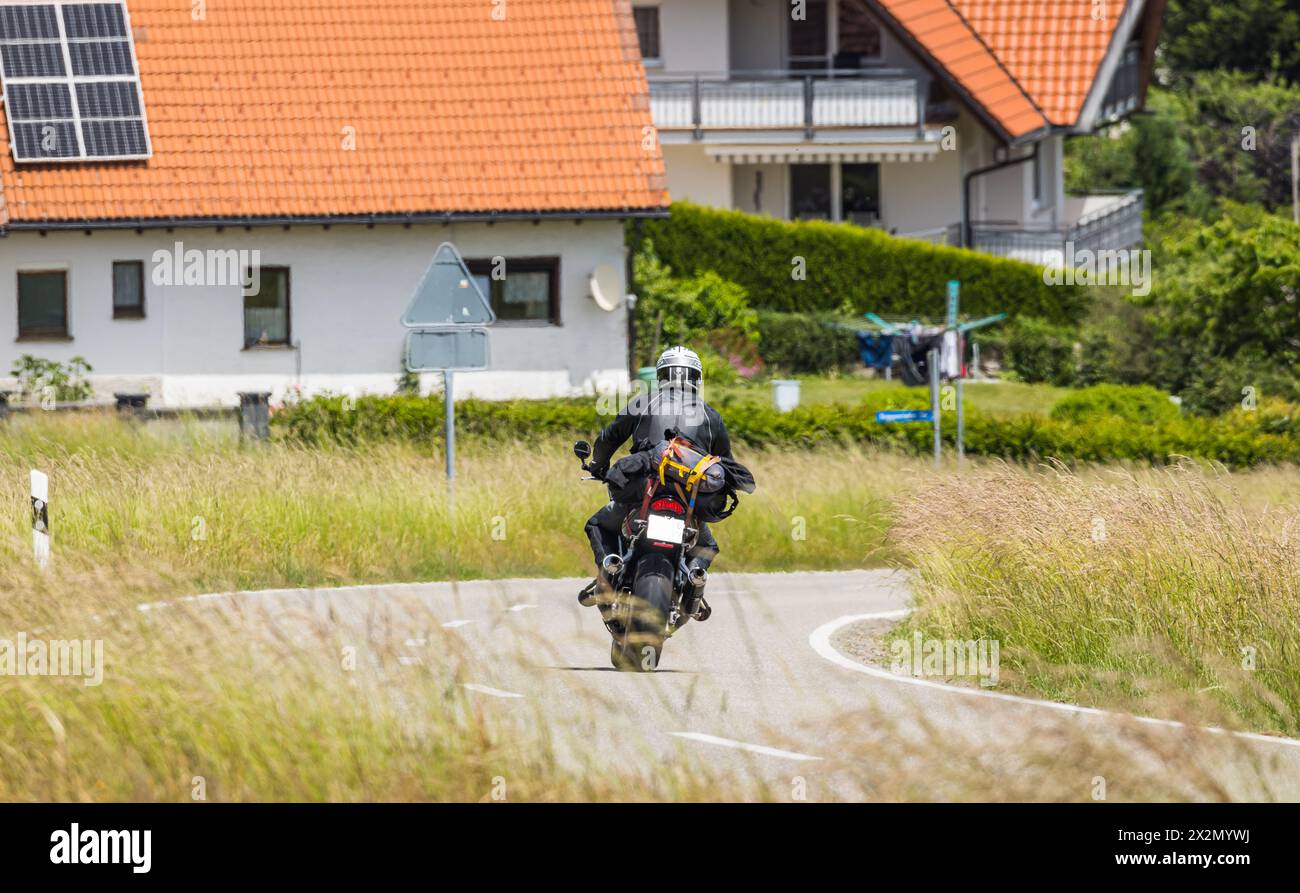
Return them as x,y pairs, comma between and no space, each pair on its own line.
449,431
934,401
954,297
961,423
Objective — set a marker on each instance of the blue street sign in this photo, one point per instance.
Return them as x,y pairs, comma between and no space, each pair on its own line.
890,416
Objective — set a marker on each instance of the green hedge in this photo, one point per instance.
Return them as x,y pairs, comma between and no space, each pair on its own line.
1239,439
850,268
1135,403
805,342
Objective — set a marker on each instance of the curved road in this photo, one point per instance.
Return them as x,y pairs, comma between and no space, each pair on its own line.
762,691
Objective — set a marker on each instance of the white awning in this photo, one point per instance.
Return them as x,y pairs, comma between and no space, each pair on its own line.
822,154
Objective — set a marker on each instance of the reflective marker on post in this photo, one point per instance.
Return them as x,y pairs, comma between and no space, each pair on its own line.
41,518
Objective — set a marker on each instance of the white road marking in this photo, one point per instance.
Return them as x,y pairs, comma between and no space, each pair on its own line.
487,690
407,661
742,745
820,640
518,608
452,624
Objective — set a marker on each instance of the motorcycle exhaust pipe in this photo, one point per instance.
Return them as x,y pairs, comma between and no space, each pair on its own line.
696,577
612,566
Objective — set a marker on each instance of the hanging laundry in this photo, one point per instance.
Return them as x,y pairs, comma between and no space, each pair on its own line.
913,353
876,350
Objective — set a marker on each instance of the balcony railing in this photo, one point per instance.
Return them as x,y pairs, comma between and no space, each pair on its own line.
1108,223
787,100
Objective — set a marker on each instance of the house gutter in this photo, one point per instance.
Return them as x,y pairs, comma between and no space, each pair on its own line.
330,219
965,188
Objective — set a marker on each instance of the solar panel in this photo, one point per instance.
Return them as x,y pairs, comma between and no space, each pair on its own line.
71,84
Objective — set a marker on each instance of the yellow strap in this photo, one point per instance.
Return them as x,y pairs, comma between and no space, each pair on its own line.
700,468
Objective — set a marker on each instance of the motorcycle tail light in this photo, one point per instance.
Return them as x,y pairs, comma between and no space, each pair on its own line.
668,505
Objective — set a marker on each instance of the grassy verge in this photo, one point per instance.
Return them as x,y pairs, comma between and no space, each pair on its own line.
1000,398
202,513
1168,593
233,705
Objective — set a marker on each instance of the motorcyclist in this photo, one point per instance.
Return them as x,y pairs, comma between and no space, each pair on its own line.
675,405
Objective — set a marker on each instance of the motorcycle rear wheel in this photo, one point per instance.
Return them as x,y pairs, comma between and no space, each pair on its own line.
641,646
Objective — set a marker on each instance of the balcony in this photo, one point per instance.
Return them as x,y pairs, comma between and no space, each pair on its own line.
1099,222
703,103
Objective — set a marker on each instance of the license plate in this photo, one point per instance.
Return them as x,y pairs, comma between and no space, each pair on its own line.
665,529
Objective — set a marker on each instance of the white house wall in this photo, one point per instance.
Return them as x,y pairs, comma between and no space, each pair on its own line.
761,188
693,34
694,176
348,288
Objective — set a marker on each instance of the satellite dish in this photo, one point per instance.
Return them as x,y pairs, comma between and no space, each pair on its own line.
605,288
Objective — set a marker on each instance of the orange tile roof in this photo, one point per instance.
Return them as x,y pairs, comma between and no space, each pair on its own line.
452,112
1053,48
950,40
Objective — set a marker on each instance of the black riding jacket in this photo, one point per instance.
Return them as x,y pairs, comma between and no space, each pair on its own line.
648,417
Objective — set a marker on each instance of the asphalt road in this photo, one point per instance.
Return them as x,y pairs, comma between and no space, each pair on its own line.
763,691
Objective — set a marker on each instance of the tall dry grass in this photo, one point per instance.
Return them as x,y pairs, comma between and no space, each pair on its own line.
244,703
1172,592
200,512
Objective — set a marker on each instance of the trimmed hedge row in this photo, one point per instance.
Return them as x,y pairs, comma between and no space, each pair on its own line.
1238,439
850,268
805,342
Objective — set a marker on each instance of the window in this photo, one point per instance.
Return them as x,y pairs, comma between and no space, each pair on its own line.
525,290
860,193
859,36
43,304
647,30
128,289
266,311
807,43
810,191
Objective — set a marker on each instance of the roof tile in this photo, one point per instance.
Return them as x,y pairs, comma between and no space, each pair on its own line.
250,111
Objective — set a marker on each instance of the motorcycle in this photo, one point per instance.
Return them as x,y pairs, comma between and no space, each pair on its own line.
654,592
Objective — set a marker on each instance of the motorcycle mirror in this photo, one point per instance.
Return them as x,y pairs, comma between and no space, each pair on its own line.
582,449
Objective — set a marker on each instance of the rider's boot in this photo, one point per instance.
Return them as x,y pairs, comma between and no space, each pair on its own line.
599,588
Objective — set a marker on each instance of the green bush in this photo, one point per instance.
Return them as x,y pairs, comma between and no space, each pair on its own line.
701,307
850,268
1269,433
805,342
1038,351
1134,403
39,379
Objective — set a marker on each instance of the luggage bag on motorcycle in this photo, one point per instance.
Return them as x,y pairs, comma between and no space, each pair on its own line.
696,472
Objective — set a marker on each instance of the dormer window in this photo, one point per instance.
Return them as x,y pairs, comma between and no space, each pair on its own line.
71,82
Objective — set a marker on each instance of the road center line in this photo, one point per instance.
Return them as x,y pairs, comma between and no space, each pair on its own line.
452,624
488,690
742,745
820,640
518,608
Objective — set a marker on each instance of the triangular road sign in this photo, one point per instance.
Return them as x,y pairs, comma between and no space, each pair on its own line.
448,295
